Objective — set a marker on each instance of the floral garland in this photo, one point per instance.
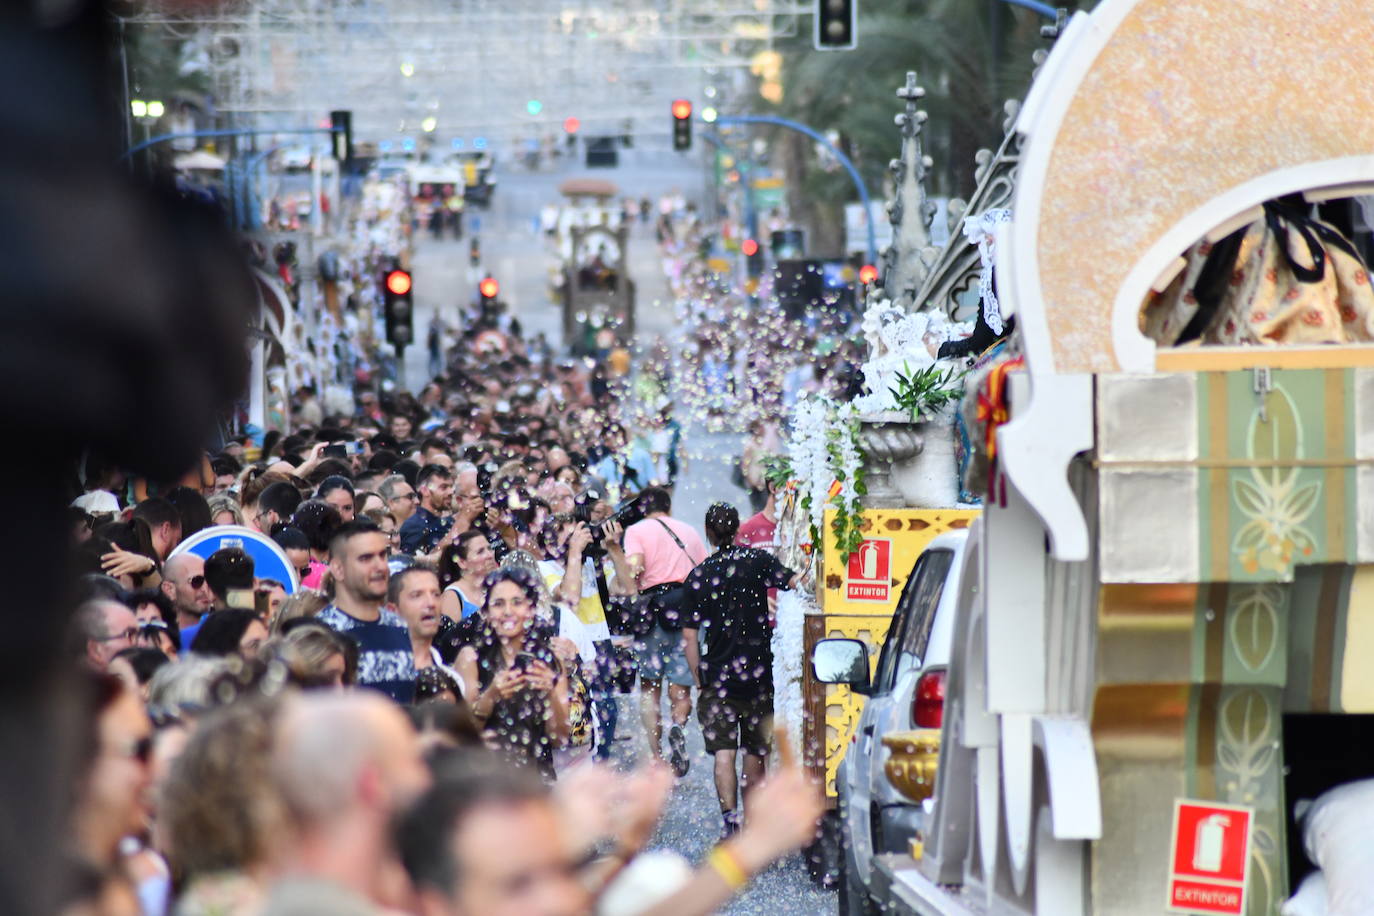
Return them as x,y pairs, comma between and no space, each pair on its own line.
827,462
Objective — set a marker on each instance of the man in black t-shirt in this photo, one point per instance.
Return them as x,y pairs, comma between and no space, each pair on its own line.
726,601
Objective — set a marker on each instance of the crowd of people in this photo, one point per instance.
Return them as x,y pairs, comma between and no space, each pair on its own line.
426,720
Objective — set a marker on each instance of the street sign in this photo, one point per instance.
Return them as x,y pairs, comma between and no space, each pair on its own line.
856,228
870,572
1210,858
269,560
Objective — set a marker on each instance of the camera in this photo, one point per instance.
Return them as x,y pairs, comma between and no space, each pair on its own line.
626,514
343,449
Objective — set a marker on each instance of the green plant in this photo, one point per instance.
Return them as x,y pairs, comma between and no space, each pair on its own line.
777,470
846,461
927,390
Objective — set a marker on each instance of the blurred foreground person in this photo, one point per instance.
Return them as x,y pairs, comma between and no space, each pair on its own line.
345,764
221,815
110,798
490,843
492,840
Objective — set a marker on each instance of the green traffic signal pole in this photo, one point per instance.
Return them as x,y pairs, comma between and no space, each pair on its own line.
730,120
751,219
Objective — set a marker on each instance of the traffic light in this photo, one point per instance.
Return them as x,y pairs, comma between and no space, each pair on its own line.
341,123
398,309
836,22
868,275
489,306
682,125
753,257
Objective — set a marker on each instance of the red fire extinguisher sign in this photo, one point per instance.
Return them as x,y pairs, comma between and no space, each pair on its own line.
1210,858
870,572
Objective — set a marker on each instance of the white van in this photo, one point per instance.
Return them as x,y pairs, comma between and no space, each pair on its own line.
906,691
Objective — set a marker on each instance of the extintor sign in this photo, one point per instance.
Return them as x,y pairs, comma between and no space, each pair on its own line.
870,572
1210,858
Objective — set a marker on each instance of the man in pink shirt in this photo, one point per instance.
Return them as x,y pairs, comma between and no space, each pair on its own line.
662,551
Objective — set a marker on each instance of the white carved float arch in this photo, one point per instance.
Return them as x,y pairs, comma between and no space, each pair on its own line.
1153,123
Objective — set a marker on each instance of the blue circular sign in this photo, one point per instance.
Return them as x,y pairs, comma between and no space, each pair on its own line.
269,560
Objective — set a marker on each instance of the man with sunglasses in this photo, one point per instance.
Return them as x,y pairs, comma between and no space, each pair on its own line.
183,580
109,627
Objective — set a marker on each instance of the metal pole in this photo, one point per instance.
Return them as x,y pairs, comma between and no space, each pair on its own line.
316,187
236,132
727,120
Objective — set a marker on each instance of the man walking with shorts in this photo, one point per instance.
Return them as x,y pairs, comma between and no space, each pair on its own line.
662,551
726,596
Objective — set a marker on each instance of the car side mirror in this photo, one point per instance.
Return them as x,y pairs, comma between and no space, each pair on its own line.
841,661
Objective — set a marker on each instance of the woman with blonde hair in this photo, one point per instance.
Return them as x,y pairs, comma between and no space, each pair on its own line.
315,656
304,602
225,510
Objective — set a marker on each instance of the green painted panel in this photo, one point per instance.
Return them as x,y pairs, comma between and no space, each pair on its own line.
1282,513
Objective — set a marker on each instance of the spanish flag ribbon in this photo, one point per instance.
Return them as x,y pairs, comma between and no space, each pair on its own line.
993,409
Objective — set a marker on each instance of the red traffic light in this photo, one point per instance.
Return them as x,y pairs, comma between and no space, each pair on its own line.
867,274
750,248
398,282
489,288
572,125
682,109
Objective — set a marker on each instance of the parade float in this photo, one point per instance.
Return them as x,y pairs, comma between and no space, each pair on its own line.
1159,696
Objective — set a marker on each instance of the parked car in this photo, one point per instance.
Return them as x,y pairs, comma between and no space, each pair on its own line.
905,691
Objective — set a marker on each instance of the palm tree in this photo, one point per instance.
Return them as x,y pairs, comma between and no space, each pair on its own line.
969,55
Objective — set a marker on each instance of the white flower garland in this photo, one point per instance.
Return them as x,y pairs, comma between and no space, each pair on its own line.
808,450
847,443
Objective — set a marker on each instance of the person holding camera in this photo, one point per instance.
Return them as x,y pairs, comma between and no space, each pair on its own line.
662,552
523,698
575,574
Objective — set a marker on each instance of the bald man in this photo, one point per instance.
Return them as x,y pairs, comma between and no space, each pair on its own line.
344,765
183,581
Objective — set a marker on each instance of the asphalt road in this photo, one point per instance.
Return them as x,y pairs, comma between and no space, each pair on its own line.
516,255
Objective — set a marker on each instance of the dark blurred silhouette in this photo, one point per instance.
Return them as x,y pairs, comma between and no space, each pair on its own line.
122,318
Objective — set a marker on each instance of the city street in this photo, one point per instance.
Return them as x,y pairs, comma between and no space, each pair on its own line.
988,385
514,252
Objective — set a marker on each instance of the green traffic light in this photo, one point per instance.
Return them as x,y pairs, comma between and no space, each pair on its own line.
534,106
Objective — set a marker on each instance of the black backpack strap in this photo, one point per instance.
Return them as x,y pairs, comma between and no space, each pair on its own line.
676,540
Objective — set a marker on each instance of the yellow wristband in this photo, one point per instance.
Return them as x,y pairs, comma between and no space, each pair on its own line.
728,867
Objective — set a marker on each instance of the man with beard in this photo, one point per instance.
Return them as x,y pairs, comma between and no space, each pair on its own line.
431,525
357,559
